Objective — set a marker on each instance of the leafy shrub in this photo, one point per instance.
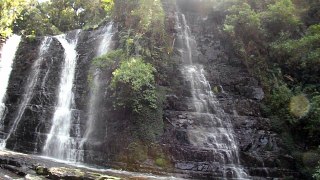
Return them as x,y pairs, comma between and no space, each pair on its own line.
281,16
9,12
108,60
314,118
302,56
316,175
278,103
133,84
242,21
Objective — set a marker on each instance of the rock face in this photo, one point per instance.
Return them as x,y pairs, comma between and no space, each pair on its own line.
38,112
262,154
36,120
18,165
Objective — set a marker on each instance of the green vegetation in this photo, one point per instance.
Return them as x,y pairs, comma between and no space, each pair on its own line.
316,175
108,60
138,152
281,17
9,12
136,83
144,29
29,17
133,84
278,41
161,162
302,55
242,21
281,48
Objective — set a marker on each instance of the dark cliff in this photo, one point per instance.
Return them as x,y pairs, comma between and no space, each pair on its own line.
262,153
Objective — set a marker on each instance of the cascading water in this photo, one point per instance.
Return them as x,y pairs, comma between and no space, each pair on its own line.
7,53
95,100
59,144
106,40
29,89
215,130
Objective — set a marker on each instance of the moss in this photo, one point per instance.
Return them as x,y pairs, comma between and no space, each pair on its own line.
149,124
161,162
31,38
137,152
160,156
90,78
310,159
215,90
107,61
40,170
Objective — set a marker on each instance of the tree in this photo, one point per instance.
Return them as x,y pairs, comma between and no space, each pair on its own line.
281,17
243,25
72,14
107,5
301,55
9,12
313,119
242,21
146,18
33,22
56,16
134,86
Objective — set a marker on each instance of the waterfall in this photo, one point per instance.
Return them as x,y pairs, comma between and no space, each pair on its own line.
106,40
94,101
215,130
7,53
30,85
59,144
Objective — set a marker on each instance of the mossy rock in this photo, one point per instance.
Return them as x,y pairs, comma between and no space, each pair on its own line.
161,162
63,172
311,159
40,170
137,152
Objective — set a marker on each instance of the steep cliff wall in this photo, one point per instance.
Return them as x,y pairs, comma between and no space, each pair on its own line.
35,123
262,153
238,94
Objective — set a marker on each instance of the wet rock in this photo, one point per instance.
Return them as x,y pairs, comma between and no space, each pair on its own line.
40,170
238,94
35,168
32,177
65,173
184,166
258,93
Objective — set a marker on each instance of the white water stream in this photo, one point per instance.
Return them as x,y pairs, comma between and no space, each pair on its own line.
215,131
30,85
103,48
59,144
7,55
